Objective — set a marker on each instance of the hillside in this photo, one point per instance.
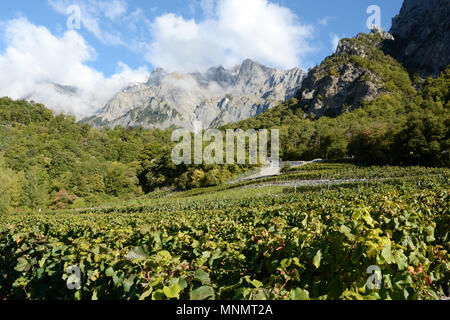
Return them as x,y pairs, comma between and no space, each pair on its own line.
405,122
49,161
359,71
422,40
52,161
367,101
248,242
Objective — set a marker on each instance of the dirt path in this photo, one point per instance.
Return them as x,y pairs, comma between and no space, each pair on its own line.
310,183
272,170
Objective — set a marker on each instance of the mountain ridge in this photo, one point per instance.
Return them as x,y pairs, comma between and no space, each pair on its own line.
216,97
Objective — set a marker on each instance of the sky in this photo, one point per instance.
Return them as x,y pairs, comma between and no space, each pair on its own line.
100,46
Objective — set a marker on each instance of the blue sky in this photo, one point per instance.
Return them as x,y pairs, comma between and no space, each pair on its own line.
122,40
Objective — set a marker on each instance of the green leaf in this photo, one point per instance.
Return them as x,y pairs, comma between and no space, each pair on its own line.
256,283
163,257
202,276
387,254
368,218
261,294
158,295
127,284
348,232
299,294
145,229
317,259
182,283
195,244
23,265
203,293
110,272
136,254
78,295
173,291
401,260
146,294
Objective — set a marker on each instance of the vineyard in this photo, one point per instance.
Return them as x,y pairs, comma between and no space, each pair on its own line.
246,241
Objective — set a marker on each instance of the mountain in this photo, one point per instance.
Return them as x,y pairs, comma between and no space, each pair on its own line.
366,101
216,97
359,71
370,65
422,37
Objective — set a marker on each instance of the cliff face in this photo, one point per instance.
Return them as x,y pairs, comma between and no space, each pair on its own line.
216,97
358,71
422,37
369,65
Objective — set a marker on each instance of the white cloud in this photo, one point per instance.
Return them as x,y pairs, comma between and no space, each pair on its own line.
324,21
208,7
334,40
92,11
231,31
35,59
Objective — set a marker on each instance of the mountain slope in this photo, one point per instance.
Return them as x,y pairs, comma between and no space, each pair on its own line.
364,103
358,71
380,63
422,38
217,97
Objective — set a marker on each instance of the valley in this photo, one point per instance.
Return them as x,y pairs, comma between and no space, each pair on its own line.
98,209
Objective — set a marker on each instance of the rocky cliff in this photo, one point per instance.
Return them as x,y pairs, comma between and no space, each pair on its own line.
365,67
216,97
358,71
422,37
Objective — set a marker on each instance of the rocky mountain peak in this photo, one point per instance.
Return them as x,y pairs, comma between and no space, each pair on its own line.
156,76
216,97
356,72
421,31
249,68
383,34
369,65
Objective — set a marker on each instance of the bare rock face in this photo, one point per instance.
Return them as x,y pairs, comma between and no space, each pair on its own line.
216,97
344,80
422,37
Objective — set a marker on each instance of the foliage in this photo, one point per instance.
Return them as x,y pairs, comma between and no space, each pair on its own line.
316,244
400,127
55,154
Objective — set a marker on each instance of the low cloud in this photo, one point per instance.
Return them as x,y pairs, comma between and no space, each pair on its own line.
38,65
230,31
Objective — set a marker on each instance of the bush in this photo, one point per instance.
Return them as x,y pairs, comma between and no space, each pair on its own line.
62,200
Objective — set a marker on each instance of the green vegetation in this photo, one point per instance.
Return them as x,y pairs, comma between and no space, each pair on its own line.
397,128
53,161
139,227
253,243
